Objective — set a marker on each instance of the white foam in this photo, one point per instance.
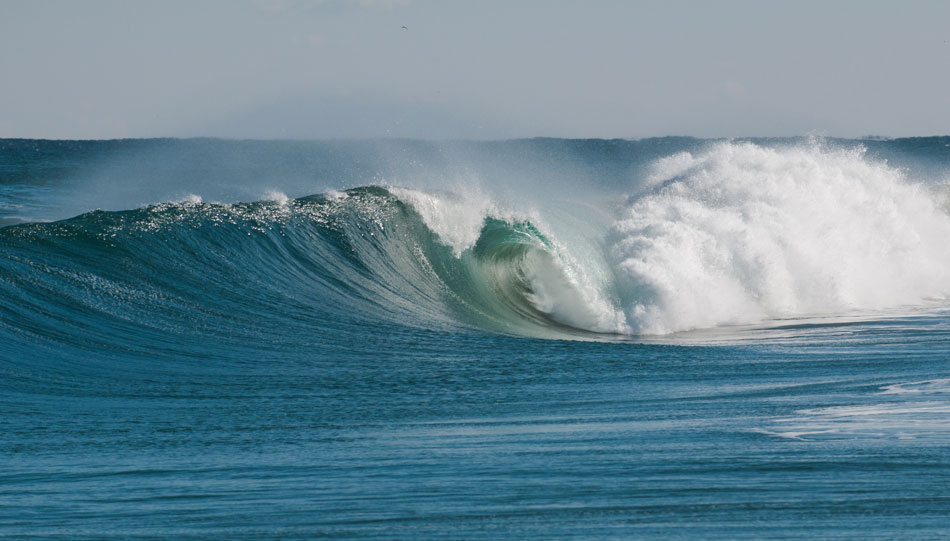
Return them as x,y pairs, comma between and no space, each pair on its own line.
742,233
334,195
932,386
905,420
569,296
277,197
457,219
191,199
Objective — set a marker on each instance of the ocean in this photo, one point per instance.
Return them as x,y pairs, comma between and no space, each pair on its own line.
666,338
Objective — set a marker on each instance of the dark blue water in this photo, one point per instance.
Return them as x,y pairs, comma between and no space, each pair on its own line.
334,356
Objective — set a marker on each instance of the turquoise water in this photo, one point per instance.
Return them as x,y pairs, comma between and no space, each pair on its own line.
666,338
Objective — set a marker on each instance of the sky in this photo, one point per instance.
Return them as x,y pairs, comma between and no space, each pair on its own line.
319,69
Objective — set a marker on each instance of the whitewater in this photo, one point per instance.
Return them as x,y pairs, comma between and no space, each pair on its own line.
667,337
735,234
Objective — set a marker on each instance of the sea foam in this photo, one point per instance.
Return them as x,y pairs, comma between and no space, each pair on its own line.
740,233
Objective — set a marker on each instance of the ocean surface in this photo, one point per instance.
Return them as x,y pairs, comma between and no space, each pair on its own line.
664,338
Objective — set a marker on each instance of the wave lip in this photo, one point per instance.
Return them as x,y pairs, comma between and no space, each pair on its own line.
741,233
509,268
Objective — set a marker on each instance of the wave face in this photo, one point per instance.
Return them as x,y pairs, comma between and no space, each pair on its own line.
281,270
720,234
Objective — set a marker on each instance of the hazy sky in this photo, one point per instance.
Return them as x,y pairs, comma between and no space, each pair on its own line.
474,69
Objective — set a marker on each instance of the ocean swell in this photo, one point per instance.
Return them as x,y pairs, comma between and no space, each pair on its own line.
737,233
282,269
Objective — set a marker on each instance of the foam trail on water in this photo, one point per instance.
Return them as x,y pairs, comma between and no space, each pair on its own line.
741,233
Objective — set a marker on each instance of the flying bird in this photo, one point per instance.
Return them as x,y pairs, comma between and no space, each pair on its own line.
404,27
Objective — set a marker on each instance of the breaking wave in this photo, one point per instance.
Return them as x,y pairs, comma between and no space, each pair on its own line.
737,233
